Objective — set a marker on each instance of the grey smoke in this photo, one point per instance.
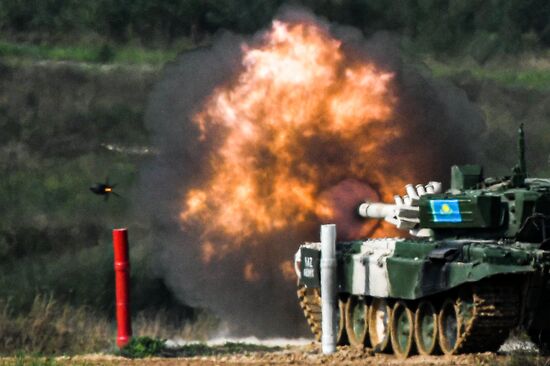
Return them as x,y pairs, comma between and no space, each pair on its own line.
442,127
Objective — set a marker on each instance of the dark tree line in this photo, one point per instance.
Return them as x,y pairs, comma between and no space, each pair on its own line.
439,25
147,20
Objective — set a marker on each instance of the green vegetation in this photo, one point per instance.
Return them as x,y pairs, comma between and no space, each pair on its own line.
94,53
22,360
140,347
514,76
154,32
200,349
479,28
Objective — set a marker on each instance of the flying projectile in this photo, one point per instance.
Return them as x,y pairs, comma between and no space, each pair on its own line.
104,189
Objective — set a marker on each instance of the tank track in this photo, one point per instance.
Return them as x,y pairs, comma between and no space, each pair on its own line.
489,310
310,302
493,313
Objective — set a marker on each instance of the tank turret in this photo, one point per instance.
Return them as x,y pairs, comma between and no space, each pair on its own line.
514,207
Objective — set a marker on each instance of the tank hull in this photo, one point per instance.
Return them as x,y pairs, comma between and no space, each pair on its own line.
485,287
413,269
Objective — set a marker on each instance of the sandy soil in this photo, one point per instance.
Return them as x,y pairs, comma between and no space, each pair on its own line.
308,355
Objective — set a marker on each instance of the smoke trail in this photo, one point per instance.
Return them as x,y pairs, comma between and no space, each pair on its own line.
248,285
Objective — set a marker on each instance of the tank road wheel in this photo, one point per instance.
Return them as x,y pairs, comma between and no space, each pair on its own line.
341,336
448,327
379,325
356,321
425,328
402,330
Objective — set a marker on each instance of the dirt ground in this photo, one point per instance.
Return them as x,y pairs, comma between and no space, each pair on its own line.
277,359
309,355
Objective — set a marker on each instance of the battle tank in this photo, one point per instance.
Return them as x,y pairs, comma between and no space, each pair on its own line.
475,266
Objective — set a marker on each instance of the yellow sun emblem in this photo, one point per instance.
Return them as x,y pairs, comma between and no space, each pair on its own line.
446,209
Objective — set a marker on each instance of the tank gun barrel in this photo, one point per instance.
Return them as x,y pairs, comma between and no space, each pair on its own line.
404,213
403,216
376,210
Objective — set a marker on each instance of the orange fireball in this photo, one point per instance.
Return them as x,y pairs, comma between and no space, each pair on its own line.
299,118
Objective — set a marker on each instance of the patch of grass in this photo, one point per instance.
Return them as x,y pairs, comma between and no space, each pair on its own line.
51,328
144,346
521,77
164,324
24,360
140,347
92,53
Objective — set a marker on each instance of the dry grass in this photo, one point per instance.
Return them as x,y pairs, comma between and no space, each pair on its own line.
164,325
527,72
53,328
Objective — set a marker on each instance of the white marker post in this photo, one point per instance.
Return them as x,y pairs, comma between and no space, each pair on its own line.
328,288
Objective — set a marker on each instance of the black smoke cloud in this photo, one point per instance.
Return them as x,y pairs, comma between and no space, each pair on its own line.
440,126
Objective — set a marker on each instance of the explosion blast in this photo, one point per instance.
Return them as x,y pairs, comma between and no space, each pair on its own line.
264,139
283,123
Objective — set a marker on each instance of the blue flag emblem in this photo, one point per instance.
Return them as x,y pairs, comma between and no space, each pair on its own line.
446,211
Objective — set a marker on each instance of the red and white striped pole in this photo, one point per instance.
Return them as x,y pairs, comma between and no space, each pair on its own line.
122,283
